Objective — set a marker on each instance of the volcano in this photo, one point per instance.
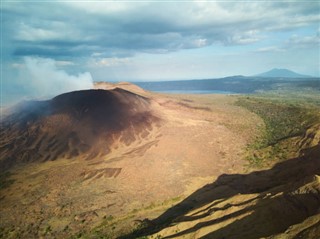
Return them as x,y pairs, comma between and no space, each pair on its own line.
85,124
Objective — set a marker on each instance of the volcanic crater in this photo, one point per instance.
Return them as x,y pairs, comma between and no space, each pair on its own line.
86,124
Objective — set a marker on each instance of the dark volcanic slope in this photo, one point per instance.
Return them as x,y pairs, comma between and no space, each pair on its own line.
81,123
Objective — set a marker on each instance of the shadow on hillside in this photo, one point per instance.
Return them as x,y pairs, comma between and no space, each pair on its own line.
269,215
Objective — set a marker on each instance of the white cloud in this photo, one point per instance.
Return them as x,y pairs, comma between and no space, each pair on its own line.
108,35
108,62
64,63
111,26
270,49
287,22
17,65
303,41
29,33
247,37
200,42
104,7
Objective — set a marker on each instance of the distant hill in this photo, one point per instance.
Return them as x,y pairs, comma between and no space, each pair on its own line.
282,73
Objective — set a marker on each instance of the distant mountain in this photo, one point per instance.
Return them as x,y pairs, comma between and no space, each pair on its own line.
282,73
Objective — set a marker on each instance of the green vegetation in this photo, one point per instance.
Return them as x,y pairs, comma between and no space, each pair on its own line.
108,218
47,230
111,227
284,119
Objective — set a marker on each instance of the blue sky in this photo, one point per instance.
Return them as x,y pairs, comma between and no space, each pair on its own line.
148,41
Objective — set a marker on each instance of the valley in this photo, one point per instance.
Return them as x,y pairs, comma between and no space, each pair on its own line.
122,162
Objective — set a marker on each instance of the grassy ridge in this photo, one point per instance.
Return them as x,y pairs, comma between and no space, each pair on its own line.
284,119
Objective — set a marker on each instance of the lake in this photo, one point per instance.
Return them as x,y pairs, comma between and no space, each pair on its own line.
195,92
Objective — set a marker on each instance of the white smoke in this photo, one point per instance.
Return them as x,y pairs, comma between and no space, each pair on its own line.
39,79
42,78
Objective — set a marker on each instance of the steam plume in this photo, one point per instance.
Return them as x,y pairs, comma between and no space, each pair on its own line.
45,79
40,78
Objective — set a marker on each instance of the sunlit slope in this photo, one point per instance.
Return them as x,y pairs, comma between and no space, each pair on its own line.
279,197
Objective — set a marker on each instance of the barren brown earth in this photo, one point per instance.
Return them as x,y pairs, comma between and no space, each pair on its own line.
280,202
104,162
